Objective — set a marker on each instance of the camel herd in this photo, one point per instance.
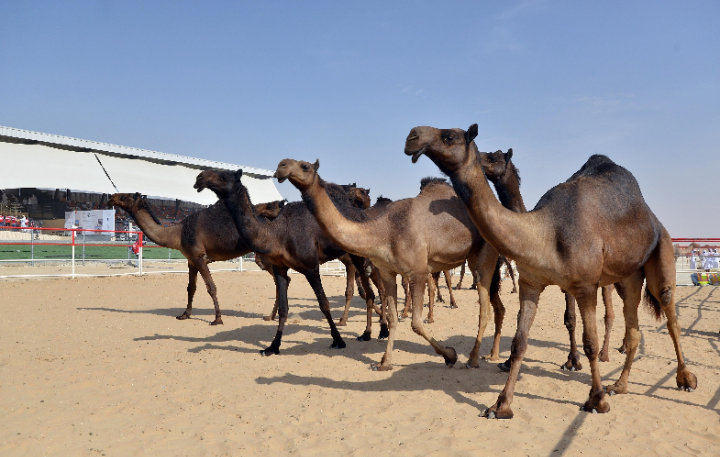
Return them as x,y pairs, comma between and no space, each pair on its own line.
592,231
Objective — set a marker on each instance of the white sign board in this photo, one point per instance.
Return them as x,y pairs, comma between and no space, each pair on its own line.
99,219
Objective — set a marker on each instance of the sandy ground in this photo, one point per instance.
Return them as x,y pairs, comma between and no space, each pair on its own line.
100,366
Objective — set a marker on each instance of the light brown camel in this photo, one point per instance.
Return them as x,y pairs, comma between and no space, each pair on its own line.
203,237
411,237
593,230
292,241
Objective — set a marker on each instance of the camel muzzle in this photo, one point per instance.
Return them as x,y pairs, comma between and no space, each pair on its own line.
416,155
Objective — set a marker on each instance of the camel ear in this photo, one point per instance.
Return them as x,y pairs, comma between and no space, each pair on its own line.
508,155
238,174
316,165
282,203
471,133
137,195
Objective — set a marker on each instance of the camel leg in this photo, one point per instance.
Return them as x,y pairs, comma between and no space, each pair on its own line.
453,304
358,281
512,276
212,290
436,280
484,266
390,285
573,361
499,313
629,289
191,287
417,284
587,303
313,278
431,300
272,315
529,295
349,291
462,276
609,319
281,285
378,281
369,301
408,297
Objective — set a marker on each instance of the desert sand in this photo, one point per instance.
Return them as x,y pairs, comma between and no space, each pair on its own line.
101,367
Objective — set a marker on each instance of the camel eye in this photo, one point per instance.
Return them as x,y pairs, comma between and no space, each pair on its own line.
304,167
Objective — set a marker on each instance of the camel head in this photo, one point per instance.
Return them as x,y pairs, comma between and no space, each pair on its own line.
128,202
301,174
495,164
270,210
222,182
447,148
359,197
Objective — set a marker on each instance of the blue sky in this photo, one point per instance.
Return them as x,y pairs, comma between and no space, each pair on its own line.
255,82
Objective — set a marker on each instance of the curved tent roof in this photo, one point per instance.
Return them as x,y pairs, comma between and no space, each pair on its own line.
46,161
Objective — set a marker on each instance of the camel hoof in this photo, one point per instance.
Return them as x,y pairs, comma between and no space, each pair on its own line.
341,323
505,366
217,322
384,332
430,321
268,318
490,415
603,356
382,367
340,344
182,317
364,337
269,351
611,392
452,360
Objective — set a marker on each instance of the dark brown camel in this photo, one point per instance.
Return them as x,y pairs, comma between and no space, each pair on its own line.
292,241
411,237
593,230
203,237
358,196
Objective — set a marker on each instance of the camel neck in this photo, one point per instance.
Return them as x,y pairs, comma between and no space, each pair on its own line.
507,187
252,230
155,232
503,228
349,235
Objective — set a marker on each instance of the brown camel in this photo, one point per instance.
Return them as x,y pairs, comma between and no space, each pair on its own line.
410,237
501,171
203,237
292,241
593,230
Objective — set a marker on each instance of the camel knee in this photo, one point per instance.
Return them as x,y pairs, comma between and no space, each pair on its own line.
417,326
666,296
589,348
517,348
569,321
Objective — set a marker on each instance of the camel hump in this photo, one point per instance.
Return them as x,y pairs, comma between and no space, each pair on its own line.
598,165
429,180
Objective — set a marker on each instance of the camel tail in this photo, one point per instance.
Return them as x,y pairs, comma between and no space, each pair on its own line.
495,283
652,304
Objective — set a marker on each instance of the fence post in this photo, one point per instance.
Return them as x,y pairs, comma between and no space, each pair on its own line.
73,254
140,253
32,247
240,264
83,234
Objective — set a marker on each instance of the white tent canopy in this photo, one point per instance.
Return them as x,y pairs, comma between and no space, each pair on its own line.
56,162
